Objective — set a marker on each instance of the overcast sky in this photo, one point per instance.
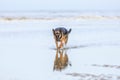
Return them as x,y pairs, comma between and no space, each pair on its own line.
13,5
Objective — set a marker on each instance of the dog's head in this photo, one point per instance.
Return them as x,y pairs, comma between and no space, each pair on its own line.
57,34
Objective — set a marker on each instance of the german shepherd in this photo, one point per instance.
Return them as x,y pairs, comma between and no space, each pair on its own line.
61,35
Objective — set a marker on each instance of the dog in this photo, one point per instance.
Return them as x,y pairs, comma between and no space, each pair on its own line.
61,35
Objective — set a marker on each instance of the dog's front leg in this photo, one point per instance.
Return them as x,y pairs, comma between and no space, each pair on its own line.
56,44
61,45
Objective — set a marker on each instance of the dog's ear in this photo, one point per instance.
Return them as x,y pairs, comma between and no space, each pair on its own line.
69,31
53,31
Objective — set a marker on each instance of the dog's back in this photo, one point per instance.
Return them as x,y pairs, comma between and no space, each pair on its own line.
62,29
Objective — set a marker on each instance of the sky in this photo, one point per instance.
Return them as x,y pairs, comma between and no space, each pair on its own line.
29,5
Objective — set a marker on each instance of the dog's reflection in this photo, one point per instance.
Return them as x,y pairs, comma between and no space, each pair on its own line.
61,60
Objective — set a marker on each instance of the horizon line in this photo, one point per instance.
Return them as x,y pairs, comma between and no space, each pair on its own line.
59,10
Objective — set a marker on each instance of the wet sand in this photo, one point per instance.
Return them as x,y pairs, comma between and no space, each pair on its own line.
28,52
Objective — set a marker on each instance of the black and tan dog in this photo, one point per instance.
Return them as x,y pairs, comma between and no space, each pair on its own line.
61,35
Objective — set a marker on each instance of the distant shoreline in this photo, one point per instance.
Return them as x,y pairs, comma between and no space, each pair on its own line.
57,15
49,18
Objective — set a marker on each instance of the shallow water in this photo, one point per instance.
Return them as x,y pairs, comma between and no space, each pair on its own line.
27,50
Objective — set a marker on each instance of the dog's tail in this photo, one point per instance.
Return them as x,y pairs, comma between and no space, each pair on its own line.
69,31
